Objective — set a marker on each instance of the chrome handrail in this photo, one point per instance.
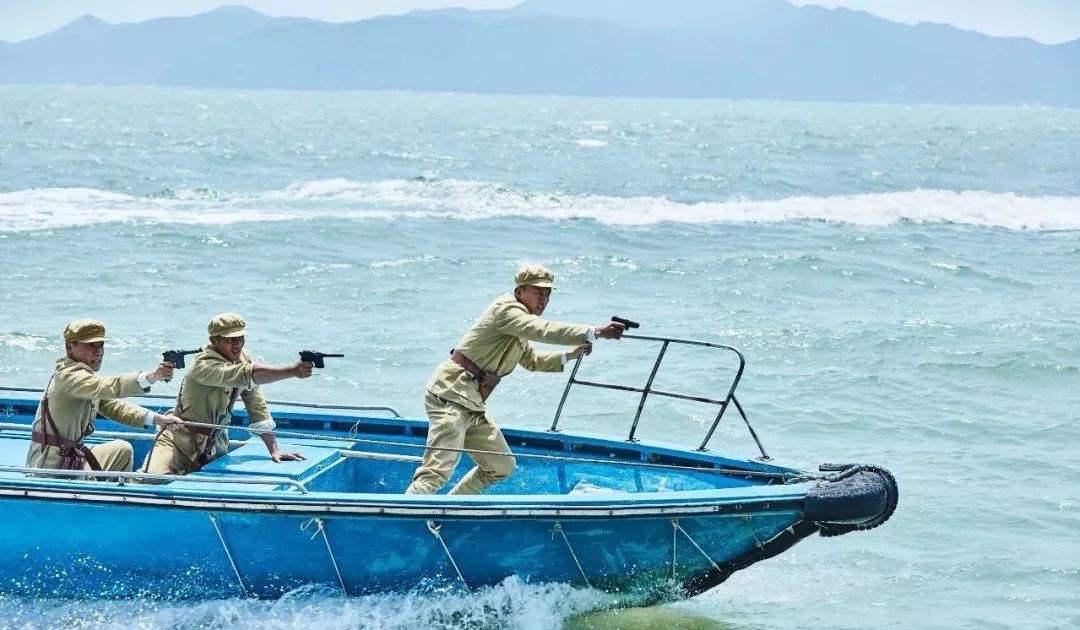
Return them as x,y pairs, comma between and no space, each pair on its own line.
121,475
272,402
645,391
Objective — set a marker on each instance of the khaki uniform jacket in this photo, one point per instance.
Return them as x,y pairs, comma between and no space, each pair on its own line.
205,394
76,396
498,342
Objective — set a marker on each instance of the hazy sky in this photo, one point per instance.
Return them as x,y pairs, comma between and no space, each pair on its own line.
1045,20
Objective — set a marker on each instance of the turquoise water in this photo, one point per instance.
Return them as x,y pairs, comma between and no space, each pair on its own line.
903,280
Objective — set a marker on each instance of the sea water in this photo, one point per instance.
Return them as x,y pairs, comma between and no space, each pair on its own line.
904,282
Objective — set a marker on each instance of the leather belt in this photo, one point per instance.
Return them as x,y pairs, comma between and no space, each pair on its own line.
72,453
486,381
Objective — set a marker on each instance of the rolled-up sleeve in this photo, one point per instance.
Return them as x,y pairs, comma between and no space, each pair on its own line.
258,410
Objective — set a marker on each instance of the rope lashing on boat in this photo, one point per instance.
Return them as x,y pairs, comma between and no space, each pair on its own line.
228,554
738,472
559,529
320,528
750,526
679,528
436,531
674,548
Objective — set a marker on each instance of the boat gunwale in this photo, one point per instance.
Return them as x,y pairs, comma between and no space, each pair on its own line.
741,499
586,440
429,506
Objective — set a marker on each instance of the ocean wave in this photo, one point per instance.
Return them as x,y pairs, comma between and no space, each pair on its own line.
57,208
512,604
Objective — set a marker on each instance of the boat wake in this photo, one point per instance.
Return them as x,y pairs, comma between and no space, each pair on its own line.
513,603
58,208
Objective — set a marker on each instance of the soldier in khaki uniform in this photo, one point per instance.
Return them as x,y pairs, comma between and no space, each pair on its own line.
496,344
75,395
220,374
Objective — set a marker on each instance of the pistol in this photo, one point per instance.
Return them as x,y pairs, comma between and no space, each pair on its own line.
625,322
176,357
316,358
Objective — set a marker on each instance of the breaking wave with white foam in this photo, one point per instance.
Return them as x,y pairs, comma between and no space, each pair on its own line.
511,604
58,208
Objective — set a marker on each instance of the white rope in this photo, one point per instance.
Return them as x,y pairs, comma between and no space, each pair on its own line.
228,554
320,528
435,528
469,451
675,524
674,545
559,529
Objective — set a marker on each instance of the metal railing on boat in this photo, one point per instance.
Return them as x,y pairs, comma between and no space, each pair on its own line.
724,403
149,437
289,403
112,435
120,476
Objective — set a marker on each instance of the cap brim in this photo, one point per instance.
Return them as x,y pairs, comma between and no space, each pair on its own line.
542,285
91,340
232,333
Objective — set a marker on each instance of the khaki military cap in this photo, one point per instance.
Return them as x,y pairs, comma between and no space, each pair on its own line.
534,275
226,325
85,331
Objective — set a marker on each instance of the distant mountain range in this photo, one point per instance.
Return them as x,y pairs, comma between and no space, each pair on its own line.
765,49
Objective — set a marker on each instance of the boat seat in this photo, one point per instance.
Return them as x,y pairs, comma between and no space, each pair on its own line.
253,459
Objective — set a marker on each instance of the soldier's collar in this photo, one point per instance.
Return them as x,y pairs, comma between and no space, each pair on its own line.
66,362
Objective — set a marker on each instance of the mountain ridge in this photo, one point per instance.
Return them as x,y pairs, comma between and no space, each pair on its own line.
701,49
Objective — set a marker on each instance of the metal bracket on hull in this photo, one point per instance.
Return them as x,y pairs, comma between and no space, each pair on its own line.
435,530
320,528
674,540
228,554
559,529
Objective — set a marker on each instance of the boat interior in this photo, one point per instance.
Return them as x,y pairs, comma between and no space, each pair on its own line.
379,455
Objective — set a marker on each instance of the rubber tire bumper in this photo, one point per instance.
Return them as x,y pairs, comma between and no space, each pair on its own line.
861,497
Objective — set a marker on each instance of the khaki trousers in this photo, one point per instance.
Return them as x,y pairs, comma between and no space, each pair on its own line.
114,455
166,458
451,425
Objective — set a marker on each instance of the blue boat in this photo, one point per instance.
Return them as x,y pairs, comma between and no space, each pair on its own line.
649,520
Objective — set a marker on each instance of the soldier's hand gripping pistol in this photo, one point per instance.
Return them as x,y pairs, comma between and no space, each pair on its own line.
176,358
615,328
316,358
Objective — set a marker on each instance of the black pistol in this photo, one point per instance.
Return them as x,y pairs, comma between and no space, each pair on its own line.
176,357
625,322
316,358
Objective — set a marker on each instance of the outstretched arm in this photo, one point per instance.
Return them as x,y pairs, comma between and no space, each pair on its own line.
263,374
515,320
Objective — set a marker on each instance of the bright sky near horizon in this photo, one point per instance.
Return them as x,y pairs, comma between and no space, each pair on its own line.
1049,21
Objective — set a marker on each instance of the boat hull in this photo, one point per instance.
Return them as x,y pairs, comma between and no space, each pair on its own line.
651,522
111,550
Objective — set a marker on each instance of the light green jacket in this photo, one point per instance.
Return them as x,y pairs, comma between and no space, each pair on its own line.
76,396
204,397
498,342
